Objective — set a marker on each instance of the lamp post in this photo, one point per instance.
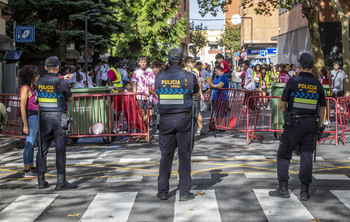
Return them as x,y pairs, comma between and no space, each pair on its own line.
86,30
188,48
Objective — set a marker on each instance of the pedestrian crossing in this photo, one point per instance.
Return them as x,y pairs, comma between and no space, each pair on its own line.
119,206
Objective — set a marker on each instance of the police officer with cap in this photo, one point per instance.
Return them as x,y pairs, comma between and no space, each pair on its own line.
53,94
306,103
175,88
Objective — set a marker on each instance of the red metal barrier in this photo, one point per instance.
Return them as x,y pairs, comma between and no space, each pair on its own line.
343,108
119,114
271,120
229,110
13,126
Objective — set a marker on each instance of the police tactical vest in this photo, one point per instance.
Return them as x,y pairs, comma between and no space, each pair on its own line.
304,96
50,100
173,97
118,82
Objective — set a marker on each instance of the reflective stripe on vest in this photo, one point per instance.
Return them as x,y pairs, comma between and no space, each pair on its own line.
117,83
48,102
171,99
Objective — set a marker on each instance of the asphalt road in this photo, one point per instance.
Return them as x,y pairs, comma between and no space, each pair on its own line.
118,182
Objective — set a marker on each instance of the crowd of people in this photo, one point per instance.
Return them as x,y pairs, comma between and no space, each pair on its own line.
142,80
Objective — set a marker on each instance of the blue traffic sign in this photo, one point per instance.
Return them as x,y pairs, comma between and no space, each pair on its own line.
25,34
237,54
263,53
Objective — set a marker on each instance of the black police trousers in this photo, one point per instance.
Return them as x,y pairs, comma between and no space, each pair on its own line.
175,131
50,128
301,133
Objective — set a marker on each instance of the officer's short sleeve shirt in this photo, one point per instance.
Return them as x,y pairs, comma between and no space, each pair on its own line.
289,88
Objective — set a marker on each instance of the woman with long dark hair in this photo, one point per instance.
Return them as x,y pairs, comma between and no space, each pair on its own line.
29,110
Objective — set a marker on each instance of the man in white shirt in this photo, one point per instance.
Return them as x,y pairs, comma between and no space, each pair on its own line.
338,77
98,72
249,76
104,70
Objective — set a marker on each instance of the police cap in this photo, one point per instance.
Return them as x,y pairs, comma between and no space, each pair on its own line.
175,55
52,61
306,60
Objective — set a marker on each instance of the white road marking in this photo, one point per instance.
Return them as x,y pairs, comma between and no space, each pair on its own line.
330,177
110,207
134,160
104,154
343,196
282,209
251,157
199,157
81,161
298,158
124,179
27,207
261,175
202,208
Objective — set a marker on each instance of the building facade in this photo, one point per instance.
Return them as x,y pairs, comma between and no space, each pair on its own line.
294,39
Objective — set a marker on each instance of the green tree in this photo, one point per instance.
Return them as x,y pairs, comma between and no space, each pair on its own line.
212,6
59,23
152,27
310,9
198,37
231,38
343,12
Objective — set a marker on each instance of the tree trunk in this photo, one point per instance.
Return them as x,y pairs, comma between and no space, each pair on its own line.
310,9
344,20
62,25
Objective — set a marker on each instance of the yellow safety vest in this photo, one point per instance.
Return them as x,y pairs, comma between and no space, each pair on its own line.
118,82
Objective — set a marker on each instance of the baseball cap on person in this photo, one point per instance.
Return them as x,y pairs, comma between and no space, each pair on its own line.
175,55
52,61
306,60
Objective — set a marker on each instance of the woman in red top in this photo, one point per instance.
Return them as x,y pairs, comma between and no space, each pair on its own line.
29,110
326,78
284,77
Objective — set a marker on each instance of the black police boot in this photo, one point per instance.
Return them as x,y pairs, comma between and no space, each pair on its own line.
42,183
186,197
62,183
304,192
281,191
162,196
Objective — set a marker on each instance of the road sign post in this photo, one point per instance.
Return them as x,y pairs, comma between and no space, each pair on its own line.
25,34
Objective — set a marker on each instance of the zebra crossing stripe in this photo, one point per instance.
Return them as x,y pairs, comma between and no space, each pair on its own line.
124,179
27,208
110,207
330,177
202,208
134,160
251,157
260,175
282,209
199,157
343,196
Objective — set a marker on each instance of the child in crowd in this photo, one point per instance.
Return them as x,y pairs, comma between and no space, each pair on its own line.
157,68
128,87
224,64
79,78
284,77
90,76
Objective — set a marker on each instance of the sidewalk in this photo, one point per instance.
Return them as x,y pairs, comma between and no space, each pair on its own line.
10,143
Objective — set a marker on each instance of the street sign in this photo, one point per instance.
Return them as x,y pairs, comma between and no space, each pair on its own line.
243,55
25,34
237,58
237,54
263,53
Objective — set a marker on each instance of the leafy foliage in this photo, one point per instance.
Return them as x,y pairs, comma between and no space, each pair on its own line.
59,23
149,28
231,37
198,37
212,6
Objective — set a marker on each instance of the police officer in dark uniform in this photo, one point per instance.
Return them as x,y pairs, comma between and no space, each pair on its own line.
303,94
175,88
53,94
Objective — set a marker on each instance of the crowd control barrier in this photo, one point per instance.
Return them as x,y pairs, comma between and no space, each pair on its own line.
108,115
229,110
10,115
343,107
